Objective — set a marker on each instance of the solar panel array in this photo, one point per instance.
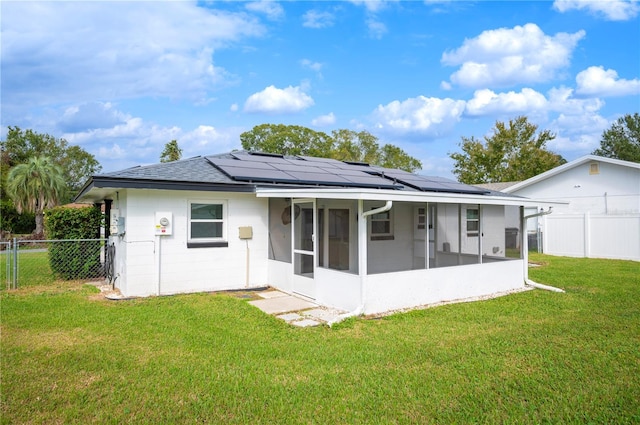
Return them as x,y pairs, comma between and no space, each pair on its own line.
305,170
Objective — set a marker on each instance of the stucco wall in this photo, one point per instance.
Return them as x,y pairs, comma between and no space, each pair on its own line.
393,291
165,265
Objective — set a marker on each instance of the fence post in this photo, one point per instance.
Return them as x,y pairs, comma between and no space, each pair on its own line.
15,264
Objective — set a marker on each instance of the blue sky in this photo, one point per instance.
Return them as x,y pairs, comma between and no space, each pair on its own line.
121,79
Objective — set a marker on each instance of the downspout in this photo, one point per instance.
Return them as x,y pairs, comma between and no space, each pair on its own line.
384,208
526,266
363,264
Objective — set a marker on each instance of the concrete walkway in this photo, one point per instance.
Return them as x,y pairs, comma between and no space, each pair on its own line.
295,310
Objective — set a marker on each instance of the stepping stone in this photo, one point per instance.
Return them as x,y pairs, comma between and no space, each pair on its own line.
283,304
326,315
271,294
305,323
290,317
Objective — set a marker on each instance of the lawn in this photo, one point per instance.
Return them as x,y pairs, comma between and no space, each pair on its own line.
69,356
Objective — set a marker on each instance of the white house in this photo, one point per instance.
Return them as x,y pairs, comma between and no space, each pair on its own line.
601,217
360,238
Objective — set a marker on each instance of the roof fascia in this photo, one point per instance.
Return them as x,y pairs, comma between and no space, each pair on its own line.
99,182
392,195
564,167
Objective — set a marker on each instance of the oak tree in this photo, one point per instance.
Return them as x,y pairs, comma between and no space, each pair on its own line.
515,151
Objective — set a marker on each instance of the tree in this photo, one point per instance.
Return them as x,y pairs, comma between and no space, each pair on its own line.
514,152
36,185
622,139
343,145
286,140
171,152
77,165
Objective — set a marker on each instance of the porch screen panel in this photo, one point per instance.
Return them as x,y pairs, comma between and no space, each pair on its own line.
448,224
280,230
501,233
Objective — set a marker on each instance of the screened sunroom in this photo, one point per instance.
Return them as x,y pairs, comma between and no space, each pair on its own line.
378,251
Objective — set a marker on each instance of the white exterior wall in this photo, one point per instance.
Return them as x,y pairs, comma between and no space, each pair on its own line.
614,190
164,265
396,254
395,291
612,196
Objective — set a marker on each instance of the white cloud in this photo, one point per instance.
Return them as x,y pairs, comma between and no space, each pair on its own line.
318,19
314,66
423,115
376,28
136,142
487,102
105,50
273,100
577,132
270,9
206,140
371,5
612,10
324,120
91,115
508,56
561,99
595,81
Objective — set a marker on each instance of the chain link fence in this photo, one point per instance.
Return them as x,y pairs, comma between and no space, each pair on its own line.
41,262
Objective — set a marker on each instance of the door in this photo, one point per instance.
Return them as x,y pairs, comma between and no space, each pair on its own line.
304,259
334,234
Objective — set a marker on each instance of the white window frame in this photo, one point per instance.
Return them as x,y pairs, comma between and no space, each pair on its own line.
223,220
381,236
472,233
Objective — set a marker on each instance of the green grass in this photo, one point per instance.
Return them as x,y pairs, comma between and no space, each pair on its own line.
69,356
34,269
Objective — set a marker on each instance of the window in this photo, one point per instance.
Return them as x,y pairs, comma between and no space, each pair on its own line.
207,224
594,168
420,218
381,226
473,221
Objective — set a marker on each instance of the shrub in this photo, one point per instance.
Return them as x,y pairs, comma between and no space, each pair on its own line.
13,222
74,259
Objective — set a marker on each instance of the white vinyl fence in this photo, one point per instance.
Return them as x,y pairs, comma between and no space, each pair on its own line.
592,235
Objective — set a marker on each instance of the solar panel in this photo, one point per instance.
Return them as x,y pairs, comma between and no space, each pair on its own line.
431,184
305,170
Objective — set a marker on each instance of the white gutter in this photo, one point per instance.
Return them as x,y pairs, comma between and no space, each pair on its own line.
541,213
384,208
526,279
363,265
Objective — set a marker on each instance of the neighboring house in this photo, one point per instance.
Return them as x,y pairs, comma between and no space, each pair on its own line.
602,215
360,238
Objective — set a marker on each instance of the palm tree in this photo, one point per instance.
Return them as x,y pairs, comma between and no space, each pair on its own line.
35,185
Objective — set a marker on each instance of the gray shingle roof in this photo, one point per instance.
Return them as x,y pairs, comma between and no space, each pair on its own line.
196,169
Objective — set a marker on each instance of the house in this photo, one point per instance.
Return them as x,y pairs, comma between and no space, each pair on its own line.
352,236
601,216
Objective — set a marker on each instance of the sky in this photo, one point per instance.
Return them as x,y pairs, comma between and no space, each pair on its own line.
122,79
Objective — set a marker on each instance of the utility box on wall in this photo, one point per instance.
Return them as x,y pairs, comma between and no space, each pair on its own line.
245,232
164,223
116,223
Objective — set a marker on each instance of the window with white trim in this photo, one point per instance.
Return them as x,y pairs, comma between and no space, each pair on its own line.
207,223
381,226
473,221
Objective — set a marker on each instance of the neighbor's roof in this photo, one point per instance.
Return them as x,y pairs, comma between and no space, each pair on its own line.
498,186
569,165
